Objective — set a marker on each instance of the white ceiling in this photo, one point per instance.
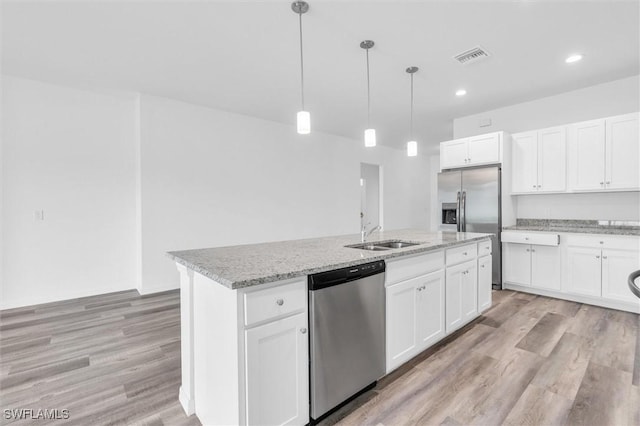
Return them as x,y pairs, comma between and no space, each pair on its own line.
243,56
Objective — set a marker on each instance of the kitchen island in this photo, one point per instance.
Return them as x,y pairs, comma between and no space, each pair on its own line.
244,311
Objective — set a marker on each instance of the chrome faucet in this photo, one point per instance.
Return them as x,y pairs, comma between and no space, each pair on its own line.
364,233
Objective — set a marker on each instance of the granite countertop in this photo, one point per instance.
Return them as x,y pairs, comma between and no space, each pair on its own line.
254,264
577,226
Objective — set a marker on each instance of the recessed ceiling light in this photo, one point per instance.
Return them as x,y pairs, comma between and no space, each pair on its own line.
461,92
573,58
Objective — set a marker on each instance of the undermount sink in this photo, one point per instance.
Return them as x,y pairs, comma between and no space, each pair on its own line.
395,244
383,245
367,246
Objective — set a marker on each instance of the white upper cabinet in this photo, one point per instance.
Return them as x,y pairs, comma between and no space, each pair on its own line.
454,153
586,156
539,161
622,152
525,162
473,151
552,160
603,154
484,149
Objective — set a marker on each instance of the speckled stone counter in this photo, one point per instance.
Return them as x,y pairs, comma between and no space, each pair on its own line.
577,226
254,264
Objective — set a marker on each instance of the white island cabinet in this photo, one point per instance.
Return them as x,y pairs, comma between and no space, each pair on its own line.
245,333
248,361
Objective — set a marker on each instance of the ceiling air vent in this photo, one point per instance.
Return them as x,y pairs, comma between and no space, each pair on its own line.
471,55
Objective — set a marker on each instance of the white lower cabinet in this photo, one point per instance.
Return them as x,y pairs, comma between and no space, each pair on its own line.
532,265
484,283
461,302
616,265
277,372
602,272
584,275
415,316
586,268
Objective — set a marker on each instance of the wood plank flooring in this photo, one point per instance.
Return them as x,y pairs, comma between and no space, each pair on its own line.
115,359
529,360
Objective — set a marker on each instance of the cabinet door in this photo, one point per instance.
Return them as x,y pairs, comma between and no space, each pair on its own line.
277,370
430,309
453,297
484,283
525,162
584,271
470,291
484,149
401,322
453,153
545,267
586,153
552,160
616,267
517,263
622,152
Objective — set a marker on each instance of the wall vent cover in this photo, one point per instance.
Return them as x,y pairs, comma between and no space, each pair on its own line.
472,55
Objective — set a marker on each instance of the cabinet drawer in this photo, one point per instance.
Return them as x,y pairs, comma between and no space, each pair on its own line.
461,254
274,302
484,248
538,238
411,267
622,242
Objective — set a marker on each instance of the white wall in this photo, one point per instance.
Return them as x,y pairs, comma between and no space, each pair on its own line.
123,178
602,100
212,178
370,173
70,153
612,98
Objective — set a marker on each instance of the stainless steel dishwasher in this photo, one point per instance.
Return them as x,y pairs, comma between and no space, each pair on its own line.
347,336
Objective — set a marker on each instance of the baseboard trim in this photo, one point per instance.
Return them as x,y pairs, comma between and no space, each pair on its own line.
23,303
605,303
160,289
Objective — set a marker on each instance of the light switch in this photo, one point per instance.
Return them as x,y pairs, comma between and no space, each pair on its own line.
38,215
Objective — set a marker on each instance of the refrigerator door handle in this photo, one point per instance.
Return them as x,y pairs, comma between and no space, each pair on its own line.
458,218
463,212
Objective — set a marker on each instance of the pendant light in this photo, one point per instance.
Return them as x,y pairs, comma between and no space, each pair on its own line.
303,118
412,145
369,133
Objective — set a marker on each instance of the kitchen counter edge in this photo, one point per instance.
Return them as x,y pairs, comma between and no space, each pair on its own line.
392,253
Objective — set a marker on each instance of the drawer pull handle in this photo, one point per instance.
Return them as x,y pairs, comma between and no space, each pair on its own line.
465,253
601,242
280,302
482,266
604,257
597,257
608,182
303,330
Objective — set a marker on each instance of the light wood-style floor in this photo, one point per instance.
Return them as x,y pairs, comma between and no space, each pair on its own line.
115,359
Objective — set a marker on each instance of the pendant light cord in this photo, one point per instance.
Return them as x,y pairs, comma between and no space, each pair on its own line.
368,94
301,65
411,119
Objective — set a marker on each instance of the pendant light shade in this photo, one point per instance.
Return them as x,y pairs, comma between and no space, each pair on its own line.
412,148
304,122
412,145
303,118
370,137
369,133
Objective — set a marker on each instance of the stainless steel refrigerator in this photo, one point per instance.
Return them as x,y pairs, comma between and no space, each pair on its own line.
470,201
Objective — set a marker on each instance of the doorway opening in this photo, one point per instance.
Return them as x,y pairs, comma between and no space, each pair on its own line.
371,214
